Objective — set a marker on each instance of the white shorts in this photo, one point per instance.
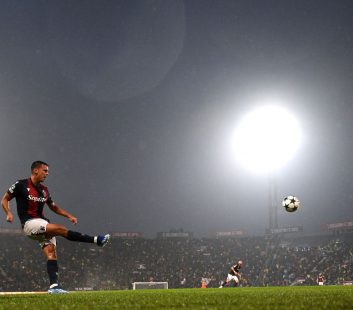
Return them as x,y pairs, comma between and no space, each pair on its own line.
231,277
35,229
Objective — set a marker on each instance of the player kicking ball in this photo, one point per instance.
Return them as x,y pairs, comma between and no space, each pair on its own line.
233,276
31,197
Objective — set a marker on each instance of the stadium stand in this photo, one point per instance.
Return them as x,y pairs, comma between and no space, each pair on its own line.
268,261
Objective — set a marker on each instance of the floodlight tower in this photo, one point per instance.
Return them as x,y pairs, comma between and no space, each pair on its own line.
272,202
259,141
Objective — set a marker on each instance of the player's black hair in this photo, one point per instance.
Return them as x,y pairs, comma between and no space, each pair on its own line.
37,164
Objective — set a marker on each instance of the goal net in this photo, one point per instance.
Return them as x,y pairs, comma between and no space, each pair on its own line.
149,285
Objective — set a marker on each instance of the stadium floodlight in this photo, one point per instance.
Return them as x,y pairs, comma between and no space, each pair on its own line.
266,138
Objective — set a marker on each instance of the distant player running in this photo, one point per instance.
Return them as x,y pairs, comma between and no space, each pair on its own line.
31,197
233,276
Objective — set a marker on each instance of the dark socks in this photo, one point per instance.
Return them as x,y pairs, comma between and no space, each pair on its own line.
52,268
77,236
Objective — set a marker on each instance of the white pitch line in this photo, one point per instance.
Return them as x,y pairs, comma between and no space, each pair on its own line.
21,293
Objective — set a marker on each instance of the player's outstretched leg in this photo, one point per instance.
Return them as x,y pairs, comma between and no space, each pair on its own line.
53,230
100,240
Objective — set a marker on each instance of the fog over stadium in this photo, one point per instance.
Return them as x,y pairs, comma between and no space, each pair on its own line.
134,103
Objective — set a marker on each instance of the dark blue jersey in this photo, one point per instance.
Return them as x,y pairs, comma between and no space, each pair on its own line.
30,199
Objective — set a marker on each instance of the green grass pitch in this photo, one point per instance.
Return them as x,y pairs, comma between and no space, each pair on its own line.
305,297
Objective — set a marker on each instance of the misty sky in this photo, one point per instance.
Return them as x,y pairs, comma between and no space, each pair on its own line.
132,104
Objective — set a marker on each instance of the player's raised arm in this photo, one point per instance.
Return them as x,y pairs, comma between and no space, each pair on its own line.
56,209
5,202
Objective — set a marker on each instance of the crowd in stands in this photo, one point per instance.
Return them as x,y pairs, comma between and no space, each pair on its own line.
182,262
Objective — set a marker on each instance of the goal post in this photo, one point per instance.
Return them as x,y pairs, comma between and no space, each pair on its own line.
149,285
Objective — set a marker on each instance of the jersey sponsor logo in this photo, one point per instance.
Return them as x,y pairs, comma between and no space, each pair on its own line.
37,199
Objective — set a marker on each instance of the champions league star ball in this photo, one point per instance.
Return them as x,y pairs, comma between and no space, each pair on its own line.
291,203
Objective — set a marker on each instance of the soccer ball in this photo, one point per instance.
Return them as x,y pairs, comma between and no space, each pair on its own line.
290,203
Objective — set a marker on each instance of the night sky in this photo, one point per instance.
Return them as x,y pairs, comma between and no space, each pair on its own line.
132,104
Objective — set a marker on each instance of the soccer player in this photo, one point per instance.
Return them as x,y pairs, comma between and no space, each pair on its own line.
233,275
31,196
320,279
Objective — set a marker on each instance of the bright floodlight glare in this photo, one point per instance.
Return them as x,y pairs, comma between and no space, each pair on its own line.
267,138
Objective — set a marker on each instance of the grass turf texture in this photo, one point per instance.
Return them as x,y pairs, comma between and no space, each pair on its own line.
309,297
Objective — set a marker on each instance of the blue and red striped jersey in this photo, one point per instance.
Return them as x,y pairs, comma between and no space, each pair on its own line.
30,199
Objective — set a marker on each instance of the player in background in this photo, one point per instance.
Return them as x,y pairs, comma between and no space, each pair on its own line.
31,197
320,279
233,275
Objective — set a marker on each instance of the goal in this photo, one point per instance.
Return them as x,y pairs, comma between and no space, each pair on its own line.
149,285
